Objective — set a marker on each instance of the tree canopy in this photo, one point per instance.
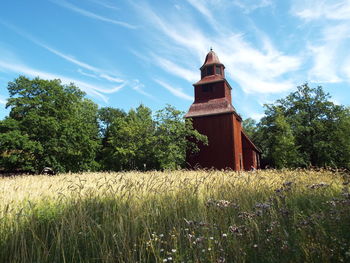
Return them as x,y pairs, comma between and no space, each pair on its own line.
54,125
304,129
49,124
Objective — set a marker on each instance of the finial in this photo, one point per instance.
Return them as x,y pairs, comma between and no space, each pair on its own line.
211,48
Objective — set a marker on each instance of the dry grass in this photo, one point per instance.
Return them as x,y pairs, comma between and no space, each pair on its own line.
181,216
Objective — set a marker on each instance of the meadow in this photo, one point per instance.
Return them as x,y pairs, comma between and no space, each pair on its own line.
176,216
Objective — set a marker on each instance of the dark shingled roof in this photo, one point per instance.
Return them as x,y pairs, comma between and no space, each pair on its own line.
210,79
211,107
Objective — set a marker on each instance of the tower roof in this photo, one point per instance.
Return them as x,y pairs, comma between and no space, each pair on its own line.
211,58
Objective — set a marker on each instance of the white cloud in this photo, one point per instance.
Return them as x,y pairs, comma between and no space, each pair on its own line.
256,116
176,69
97,72
105,4
346,68
326,9
328,54
139,87
89,14
324,66
256,69
204,8
3,100
250,7
90,89
178,92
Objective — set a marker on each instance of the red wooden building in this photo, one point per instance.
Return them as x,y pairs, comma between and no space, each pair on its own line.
213,115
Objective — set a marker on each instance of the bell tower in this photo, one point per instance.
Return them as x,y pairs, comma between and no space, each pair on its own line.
213,115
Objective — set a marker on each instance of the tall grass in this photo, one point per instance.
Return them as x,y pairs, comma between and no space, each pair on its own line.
182,216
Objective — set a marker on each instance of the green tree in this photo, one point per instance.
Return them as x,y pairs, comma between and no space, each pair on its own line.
56,124
107,116
132,140
172,134
317,127
279,145
250,127
17,151
140,141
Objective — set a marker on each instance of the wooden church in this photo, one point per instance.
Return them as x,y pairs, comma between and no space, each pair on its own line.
213,115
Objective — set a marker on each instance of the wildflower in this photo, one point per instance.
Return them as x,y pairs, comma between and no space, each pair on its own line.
211,238
189,222
224,235
319,185
173,250
165,260
255,246
221,260
288,183
264,206
237,230
246,215
221,204
284,212
170,258
199,239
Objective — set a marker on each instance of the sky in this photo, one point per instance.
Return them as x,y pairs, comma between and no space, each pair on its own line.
126,52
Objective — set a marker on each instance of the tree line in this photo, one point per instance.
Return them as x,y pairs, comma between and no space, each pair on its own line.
303,129
55,125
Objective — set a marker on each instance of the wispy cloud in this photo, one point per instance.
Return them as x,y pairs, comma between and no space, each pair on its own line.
178,92
89,14
256,116
140,88
248,7
176,69
327,54
326,9
91,89
97,72
203,6
3,101
104,4
259,69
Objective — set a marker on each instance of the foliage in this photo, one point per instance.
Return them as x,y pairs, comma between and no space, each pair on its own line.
173,133
304,129
49,124
178,216
139,141
132,140
54,125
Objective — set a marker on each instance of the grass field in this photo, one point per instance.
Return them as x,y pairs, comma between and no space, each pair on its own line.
182,216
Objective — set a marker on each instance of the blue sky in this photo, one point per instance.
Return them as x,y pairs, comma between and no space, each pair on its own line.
123,53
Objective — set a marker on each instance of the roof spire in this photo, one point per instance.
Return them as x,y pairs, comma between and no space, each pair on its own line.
211,58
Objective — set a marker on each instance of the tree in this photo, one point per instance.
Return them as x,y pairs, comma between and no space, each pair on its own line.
250,127
54,123
317,127
139,141
132,140
279,145
172,134
107,116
